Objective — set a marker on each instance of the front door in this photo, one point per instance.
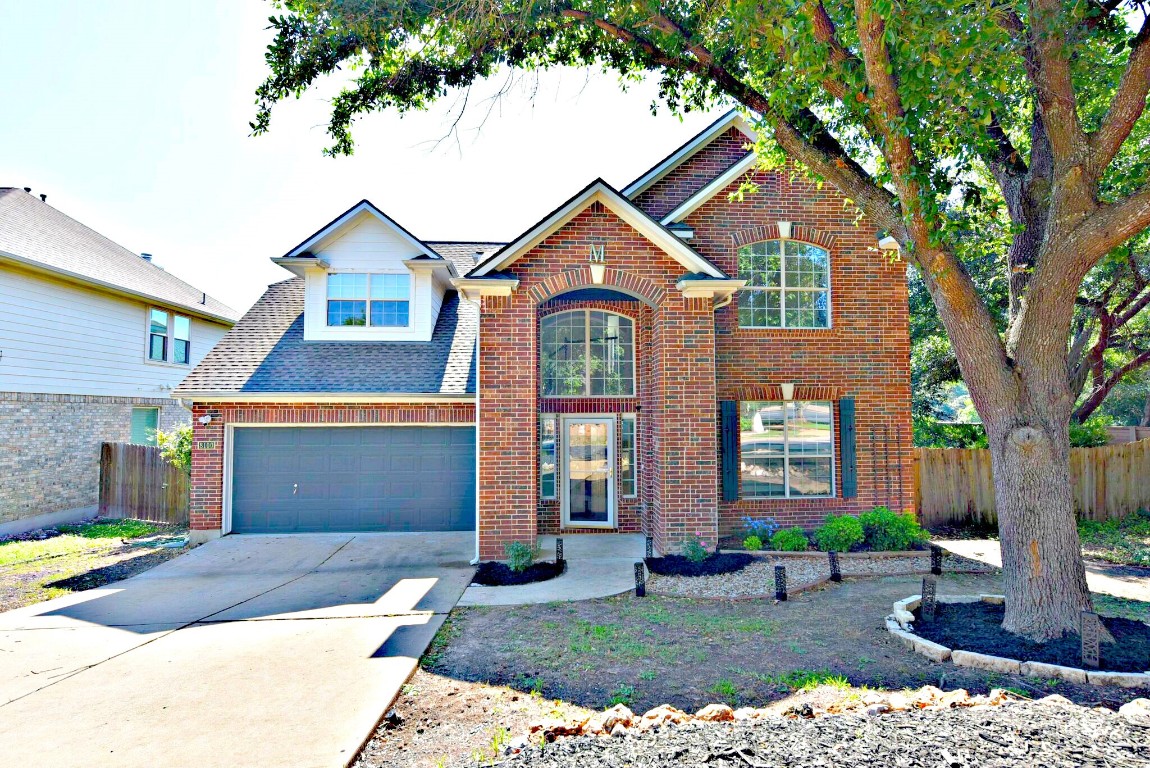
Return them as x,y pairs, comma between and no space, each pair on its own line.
588,472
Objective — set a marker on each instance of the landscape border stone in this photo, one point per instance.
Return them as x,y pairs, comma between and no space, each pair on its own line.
900,626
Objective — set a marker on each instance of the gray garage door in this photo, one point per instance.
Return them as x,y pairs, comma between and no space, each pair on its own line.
300,479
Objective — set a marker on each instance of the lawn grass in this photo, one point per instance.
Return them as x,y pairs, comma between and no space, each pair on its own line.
74,539
1125,541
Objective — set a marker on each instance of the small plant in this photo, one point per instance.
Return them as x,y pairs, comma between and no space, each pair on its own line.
695,549
790,540
752,543
885,530
520,556
762,527
1091,433
624,695
839,533
726,689
176,446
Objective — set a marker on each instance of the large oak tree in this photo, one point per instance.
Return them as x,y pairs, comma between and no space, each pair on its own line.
913,109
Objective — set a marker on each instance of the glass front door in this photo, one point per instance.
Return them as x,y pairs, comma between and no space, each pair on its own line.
589,472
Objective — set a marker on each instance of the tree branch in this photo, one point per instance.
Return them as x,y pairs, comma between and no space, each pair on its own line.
1054,84
1108,227
1128,103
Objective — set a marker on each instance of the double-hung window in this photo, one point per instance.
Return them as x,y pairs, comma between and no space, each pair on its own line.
379,300
587,353
169,337
788,285
786,449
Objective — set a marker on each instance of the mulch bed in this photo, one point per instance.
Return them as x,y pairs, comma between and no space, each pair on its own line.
678,565
977,627
496,574
1058,736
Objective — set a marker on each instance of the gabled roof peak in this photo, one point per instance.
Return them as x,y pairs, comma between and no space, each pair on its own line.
732,118
304,249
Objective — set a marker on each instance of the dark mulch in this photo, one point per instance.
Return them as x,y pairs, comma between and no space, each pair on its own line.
677,565
496,574
977,627
1037,734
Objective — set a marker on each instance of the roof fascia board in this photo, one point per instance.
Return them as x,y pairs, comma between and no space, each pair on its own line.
339,221
599,191
708,288
719,183
474,288
111,288
733,118
431,265
216,396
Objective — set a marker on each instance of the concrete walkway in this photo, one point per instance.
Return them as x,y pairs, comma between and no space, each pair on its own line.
1121,581
247,651
598,565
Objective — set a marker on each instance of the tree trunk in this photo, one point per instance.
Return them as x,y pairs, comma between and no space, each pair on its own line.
1043,574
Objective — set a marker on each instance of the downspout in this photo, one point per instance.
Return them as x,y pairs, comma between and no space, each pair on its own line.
478,363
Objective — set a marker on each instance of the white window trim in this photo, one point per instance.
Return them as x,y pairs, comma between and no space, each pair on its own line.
783,289
170,335
587,356
633,418
787,455
367,299
612,461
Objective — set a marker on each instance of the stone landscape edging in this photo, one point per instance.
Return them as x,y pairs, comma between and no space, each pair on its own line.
940,653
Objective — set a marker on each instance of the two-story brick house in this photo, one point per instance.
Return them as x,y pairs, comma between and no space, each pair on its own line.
665,359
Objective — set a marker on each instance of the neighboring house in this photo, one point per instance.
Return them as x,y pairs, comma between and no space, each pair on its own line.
662,359
93,339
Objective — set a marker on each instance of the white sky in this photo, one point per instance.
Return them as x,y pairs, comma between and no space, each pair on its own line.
132,115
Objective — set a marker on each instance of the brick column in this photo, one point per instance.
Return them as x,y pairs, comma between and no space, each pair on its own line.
207,487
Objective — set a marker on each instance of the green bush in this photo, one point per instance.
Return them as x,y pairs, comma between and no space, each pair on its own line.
695,549
752,543
790,540
888,531
839,533
176,446
1090,433
932,433
520,556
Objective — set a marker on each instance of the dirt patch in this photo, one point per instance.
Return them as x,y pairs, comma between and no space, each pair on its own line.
977,627
678,565
496,574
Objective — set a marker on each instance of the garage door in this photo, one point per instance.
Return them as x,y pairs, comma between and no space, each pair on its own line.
306,479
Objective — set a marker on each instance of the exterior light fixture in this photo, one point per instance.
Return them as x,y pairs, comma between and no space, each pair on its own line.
598,263
788,391
206,419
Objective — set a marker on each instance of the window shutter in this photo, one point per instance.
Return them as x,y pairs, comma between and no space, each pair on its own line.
729,410
847,444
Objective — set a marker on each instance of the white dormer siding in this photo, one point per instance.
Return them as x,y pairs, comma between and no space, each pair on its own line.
365,244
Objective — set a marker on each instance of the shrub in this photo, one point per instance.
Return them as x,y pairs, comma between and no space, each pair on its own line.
520,556
695,549
839,533
889,531
752,543
790,540
764,528
1091,433
176,446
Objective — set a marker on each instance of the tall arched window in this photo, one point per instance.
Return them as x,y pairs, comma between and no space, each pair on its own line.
587,353
788,285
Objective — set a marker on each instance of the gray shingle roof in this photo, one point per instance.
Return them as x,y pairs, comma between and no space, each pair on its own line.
266,353
463,255
34,232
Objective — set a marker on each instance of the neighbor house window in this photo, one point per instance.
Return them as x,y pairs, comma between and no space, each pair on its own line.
548,453
788,285
360,299
627,456
169,337
786,449
587,353
145,421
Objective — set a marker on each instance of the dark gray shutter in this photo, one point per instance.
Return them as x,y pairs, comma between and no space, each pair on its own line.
847,447
729,410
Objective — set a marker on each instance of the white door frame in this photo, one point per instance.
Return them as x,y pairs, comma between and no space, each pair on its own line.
565,490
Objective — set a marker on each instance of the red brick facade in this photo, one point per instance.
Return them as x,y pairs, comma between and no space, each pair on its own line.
689,356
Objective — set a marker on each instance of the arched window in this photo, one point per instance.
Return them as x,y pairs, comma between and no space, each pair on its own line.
788,285
587,353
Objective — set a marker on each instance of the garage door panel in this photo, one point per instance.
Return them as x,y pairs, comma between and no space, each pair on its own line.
353,479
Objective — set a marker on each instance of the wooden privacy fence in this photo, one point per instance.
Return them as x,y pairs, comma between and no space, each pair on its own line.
137,482
954,486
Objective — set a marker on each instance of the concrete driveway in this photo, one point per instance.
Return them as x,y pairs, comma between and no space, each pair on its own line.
249,650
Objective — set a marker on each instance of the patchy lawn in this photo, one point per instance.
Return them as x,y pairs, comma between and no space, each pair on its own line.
72,558
1126,541
513,664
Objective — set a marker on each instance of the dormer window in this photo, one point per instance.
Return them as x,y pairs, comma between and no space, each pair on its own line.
379,300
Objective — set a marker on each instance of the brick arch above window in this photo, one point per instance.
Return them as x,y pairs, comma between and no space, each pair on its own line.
616,279
801,232
775,392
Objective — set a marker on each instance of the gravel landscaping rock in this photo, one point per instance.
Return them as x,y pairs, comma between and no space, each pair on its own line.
1030,733
758,578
